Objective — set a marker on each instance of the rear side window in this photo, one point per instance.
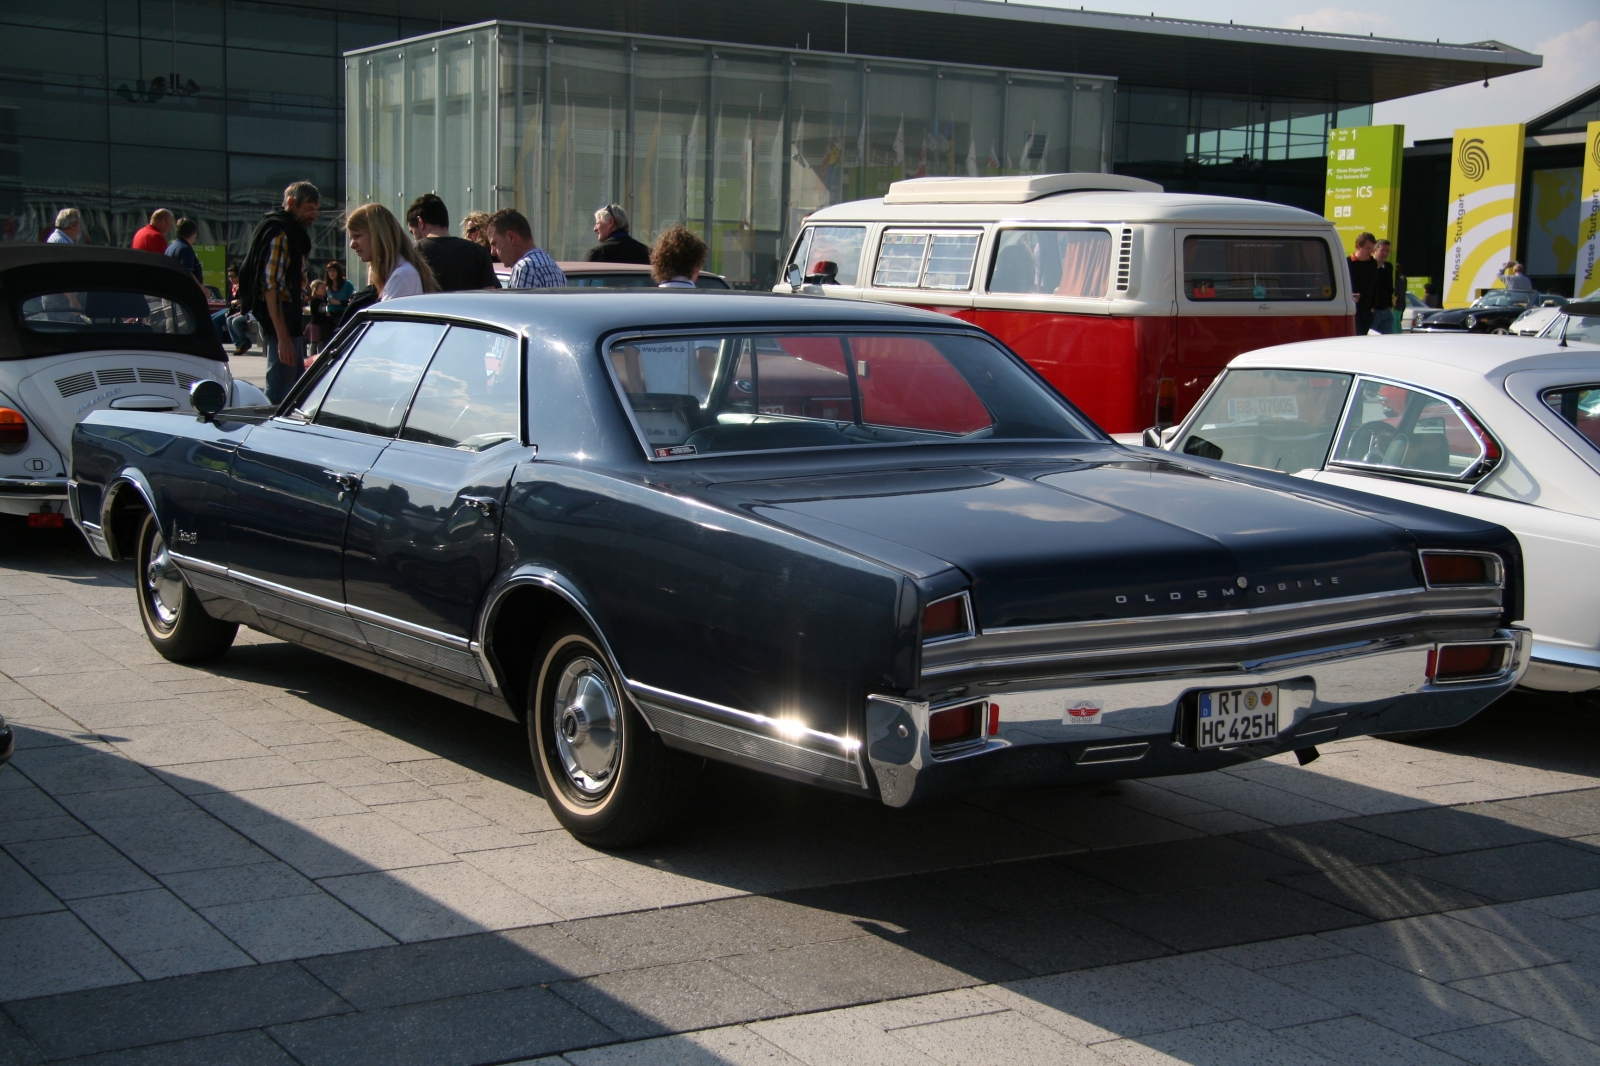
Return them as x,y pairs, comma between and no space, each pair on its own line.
1052,262
1276,419
1579,406
468,398
829,255
104,311
375,384
1407,431
926,260
1255,269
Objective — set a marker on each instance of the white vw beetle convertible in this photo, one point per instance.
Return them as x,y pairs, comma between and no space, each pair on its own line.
83,329
1506,429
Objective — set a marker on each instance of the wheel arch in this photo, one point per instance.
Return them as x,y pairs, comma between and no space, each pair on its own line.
522,609
127,500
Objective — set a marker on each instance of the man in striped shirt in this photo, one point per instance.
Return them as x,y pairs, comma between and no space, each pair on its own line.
511,241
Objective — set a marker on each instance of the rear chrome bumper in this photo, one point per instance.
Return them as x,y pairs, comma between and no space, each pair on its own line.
1143,723
53,489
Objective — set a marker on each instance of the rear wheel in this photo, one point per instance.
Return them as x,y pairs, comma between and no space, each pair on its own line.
609,780
178,627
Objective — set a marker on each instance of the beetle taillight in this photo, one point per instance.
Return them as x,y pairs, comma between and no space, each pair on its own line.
13,431
947,619
1445,570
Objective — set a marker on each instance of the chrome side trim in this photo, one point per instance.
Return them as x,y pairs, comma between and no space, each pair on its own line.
1218,631
788,729
128,478
1554,653
758,748
544,578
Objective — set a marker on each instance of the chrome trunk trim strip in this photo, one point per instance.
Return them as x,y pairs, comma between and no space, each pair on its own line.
753,746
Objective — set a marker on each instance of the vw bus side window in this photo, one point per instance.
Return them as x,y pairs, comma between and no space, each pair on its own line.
830,255
1254,269
926,260
1052,262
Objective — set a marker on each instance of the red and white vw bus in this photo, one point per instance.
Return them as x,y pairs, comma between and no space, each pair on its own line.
1127,298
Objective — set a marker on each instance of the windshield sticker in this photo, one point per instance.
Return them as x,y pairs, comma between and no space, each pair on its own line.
1255,408
1084,712
681,449
665,366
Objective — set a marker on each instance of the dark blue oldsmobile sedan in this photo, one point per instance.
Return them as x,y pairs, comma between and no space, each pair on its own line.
852,544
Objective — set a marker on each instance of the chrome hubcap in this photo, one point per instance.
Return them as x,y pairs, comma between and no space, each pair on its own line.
163,584
588,725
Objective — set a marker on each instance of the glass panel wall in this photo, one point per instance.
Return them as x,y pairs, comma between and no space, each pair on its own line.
738,144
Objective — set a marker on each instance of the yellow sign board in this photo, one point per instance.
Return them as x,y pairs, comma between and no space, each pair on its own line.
1485,193
1586,281
1362,194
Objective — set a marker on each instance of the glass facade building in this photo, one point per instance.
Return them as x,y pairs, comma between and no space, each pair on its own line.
738,144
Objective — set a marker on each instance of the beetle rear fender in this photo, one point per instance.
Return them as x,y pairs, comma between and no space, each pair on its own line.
127,500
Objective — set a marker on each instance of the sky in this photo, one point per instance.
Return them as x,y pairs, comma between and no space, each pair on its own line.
1565,32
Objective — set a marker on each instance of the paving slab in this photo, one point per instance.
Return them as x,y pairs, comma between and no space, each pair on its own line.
1520,1043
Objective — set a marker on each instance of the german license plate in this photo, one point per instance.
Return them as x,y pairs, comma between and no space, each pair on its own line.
1237,716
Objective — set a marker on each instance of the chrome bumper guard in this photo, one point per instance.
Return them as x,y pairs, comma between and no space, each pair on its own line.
1136,725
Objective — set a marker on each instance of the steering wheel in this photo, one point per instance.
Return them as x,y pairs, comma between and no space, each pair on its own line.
1371,441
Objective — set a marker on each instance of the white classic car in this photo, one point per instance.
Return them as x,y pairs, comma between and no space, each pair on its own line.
1505,429
84,329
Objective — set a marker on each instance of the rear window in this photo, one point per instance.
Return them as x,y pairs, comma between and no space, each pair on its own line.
700,395
1276,419
1579,406
1255,269
105,311
1052,262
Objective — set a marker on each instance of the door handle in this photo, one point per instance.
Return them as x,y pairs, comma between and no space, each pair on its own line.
346,482
485,505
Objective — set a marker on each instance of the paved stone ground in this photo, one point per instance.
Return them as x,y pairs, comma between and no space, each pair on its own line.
281,859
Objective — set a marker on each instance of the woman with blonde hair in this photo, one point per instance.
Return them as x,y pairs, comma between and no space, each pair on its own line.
394,267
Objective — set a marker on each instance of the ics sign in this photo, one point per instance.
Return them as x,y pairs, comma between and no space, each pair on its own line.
1363,186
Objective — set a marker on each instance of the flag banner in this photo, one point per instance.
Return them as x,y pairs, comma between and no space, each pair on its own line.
1363,186
1485,194
1586,282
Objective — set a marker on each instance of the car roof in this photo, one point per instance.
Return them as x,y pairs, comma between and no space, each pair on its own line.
597,311
1448,361
1095,206
584,266
20,255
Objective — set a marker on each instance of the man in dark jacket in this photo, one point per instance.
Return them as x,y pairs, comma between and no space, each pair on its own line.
273,279
616,244
182,249
456,264
1363,276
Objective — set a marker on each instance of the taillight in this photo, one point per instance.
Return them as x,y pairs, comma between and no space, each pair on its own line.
1458,570
1166,402
13,431
1468,662
955,725
947,619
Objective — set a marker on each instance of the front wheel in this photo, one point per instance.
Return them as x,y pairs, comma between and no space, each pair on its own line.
609,780
178,627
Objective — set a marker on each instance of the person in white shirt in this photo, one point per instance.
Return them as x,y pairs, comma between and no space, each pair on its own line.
677,258
69,225
394,266
1514,279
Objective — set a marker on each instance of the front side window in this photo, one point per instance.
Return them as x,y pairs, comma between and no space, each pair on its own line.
105,311
1276,419
1579,407
1061,262
374,386
736,392
468,399
830,255
1255,269
926,260
1407,431
1584,328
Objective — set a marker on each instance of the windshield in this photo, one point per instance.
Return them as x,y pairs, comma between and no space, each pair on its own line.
1501,298
103,311
737,392
1277,419
1582,328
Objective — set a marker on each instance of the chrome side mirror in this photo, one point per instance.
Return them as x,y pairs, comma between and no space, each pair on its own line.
1152,438
207,397
794,277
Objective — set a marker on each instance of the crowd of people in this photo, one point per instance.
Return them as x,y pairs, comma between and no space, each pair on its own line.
274,297
1378,288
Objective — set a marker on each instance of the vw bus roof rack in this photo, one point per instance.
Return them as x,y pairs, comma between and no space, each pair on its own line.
1015,189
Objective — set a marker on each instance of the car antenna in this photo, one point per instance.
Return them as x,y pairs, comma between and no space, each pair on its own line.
1562,343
